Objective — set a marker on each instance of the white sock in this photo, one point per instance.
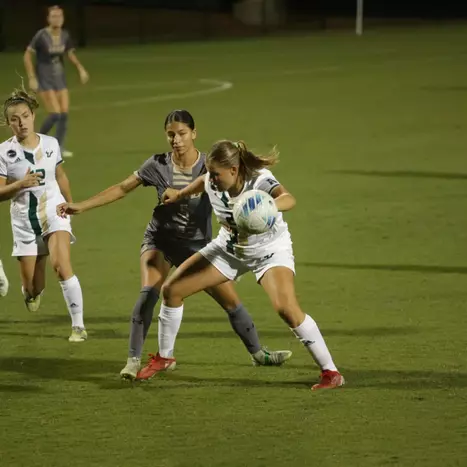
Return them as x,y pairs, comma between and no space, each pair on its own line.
310,336
73,296
169,324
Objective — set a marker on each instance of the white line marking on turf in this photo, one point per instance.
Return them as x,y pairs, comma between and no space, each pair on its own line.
118,87
216,86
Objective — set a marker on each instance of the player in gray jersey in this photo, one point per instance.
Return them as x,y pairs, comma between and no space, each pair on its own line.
173,234
47,75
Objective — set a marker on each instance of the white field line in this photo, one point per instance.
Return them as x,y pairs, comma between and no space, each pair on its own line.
215,87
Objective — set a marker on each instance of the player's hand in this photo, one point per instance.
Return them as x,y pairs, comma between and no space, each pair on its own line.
68,209
33,84
31,179
171,195
83,76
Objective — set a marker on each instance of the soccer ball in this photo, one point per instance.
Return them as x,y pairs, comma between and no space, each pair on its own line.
254,212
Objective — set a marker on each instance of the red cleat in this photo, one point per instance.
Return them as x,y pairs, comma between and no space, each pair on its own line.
329,380
155,365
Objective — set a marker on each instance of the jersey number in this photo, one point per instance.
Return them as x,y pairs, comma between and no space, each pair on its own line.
42,173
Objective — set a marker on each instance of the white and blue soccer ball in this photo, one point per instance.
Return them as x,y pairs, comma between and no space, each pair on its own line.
254,212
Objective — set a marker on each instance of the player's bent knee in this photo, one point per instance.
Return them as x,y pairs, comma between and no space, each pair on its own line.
289,312
167,291
63,271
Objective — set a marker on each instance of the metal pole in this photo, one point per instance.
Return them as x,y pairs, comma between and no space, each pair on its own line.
359,21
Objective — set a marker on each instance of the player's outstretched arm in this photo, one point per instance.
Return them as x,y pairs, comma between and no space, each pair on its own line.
111,194
284,200
171,195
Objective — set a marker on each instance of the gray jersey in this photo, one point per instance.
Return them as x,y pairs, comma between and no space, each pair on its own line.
50,51
188,219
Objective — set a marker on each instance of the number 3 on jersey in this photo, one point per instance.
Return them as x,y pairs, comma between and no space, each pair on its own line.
41,172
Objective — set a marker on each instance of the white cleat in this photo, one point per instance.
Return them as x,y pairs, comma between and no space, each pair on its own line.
265,357
32,303
133,365
78,334
4,284
66,153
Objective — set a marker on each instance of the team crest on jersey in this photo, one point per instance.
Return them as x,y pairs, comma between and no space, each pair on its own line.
49,153
11,153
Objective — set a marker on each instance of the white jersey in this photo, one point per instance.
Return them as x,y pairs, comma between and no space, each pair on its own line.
35,207
243,245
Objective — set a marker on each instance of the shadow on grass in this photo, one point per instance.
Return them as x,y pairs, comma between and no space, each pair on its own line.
189,317
93,334
389,267
403,174
104,373
16,388
225,334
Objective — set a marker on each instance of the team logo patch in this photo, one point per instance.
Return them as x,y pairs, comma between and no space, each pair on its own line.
11,153
49,153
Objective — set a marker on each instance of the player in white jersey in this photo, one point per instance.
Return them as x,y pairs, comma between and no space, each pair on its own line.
232,170
32,177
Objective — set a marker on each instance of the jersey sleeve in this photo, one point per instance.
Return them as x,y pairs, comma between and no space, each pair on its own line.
148,172
33,45
3,167
59,156
266,182
69,44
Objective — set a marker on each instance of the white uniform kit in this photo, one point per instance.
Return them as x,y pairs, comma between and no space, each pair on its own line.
234,253
33,210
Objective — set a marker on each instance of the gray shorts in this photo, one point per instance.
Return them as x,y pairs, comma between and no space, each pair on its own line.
175,251
51,81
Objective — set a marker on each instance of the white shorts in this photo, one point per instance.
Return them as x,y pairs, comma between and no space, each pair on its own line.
27,243
233,267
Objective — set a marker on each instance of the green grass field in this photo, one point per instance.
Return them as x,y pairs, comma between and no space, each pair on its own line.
372,133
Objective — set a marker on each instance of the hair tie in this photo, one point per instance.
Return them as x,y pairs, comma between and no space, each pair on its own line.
236,144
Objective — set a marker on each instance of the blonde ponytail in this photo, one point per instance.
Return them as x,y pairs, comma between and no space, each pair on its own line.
236,153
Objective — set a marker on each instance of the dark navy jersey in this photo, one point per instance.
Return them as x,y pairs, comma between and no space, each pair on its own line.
50,51
188,219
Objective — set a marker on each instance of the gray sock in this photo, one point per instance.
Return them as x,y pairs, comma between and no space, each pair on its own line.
62,126
243,325
49,122
141,320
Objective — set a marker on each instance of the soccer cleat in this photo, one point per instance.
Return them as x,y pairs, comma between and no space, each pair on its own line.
66,153
32,303
155,365
329,380
131,369
78,334
265,357
4,284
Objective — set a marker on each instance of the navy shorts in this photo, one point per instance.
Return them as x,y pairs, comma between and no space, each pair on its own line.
175,250
51,82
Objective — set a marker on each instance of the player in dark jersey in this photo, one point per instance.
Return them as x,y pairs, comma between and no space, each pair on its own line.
47,76
174,233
